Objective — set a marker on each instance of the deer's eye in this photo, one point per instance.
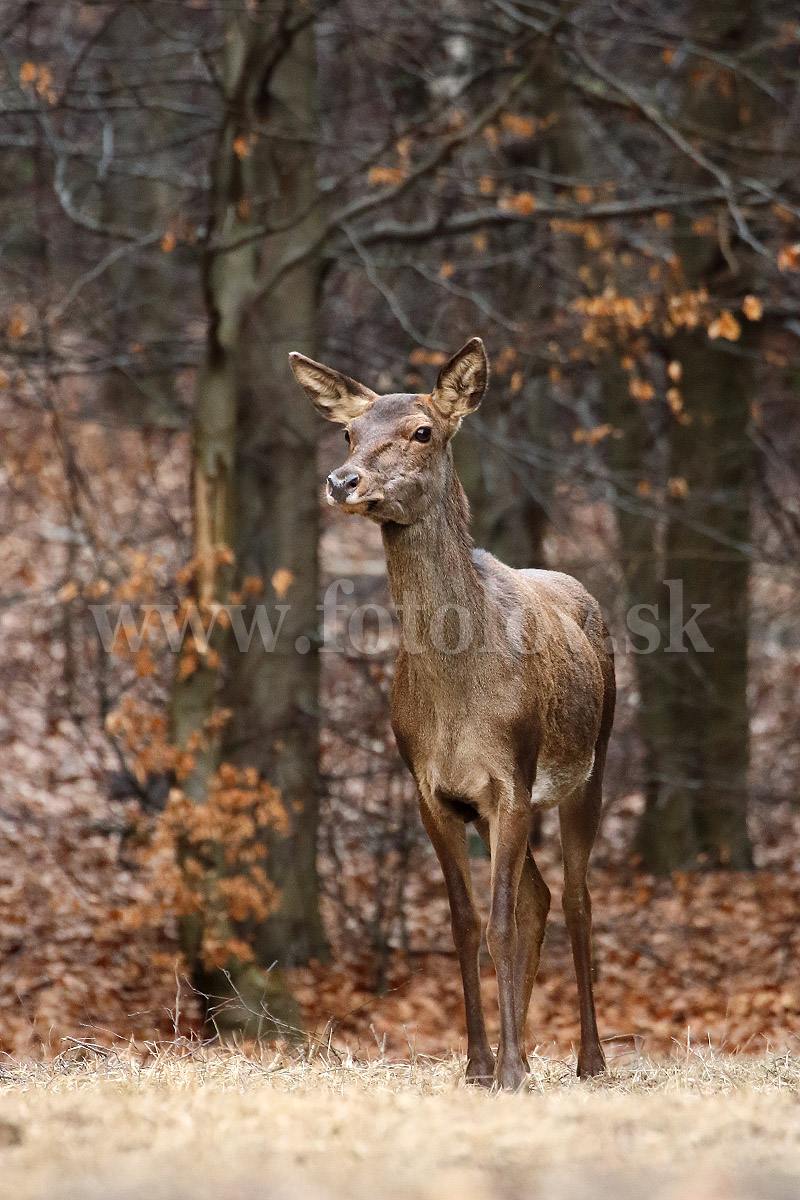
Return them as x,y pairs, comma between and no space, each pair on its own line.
423,434
347,437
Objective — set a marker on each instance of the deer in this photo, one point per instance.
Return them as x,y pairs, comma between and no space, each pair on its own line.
502,697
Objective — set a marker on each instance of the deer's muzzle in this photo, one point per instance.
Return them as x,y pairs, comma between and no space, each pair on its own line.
342,483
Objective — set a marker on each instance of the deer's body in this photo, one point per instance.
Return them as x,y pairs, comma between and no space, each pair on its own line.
491,712
503,694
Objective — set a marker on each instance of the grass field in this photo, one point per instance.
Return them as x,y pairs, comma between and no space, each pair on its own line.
225,1125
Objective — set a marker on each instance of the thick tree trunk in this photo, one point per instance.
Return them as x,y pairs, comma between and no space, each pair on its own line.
274,692
694,701
246,996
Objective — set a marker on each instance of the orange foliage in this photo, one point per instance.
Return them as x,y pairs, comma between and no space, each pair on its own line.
678,488
598,434
522,203
789,258
725,326
752,308
390,176
281,581
522,127
433,358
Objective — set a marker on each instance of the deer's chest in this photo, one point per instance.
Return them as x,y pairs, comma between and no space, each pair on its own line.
449,739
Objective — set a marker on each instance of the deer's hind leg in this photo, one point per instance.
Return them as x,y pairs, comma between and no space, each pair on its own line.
580,818
533,905
448,834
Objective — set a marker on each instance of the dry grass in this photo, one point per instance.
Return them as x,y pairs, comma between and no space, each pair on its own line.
206,1124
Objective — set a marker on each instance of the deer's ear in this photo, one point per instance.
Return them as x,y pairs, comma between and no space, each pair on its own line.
461,383
336,396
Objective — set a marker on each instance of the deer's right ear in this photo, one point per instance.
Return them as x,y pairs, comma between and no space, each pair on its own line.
336,396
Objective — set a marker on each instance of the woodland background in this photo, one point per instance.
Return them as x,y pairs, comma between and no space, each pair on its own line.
201,839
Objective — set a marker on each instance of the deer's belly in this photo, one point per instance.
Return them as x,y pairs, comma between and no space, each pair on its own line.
556,780
465,767
454,774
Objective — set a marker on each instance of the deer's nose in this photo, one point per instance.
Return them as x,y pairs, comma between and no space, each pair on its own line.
342,482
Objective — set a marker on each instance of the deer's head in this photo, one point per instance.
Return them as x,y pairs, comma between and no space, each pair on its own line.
398,461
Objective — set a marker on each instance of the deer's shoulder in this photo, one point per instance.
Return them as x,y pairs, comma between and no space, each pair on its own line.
547,593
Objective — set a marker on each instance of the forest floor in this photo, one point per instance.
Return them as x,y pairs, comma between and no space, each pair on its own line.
97,1124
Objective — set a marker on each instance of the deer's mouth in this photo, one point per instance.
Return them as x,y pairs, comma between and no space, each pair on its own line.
364,503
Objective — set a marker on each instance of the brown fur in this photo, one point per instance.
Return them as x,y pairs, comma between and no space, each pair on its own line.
503,696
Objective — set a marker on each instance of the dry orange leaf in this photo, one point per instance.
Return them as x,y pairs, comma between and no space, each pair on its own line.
726,326
386,175
253,585
187,665
641,390
789,257
432,358
523,203
752,308
17,327
143,663
523,127
281,581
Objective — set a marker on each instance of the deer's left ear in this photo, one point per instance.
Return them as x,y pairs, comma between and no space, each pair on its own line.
337,396
461,383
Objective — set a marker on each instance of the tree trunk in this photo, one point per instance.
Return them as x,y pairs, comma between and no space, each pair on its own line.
694,702
274,693
245,997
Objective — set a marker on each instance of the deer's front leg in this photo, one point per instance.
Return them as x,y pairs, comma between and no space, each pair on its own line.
508,833
449,837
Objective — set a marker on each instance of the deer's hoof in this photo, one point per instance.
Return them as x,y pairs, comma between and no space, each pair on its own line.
480,1071
591,1063
510,1076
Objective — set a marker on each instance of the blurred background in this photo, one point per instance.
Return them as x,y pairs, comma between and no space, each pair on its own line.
198,838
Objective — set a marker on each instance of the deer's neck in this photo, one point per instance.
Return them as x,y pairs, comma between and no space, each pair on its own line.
430,563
